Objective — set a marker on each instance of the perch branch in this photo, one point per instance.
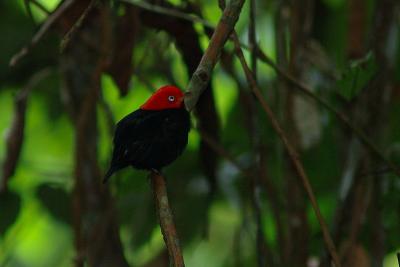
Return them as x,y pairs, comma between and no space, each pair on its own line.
291,151
166,218
201,76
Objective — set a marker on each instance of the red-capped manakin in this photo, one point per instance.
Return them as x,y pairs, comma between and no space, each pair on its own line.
153,136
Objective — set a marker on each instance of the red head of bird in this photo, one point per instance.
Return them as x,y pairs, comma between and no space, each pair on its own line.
166,97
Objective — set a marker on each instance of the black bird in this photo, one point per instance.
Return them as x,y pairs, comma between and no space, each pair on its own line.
153,136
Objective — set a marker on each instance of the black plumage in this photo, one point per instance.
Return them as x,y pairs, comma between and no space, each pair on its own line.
149,139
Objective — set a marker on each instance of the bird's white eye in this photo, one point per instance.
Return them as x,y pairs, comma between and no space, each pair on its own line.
171,98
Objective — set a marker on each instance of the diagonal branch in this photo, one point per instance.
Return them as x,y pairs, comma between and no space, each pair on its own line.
50,21
201,76
291,151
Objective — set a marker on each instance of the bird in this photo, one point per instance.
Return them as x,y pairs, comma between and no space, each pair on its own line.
152,136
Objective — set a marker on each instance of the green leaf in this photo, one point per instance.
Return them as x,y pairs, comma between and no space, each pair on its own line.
356,76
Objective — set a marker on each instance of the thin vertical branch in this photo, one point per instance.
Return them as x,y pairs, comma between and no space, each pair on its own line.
296,25
253,38
291,152
285,247
262,248
166,218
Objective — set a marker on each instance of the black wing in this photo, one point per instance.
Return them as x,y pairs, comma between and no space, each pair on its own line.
135,134
149,139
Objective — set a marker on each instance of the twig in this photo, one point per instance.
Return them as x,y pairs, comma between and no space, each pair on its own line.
66,39
15,136
342,117
170,12
201,76
166,218
291,152
253,38
42,31
257,147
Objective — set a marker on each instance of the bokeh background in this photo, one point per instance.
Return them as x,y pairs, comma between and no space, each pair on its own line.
236,198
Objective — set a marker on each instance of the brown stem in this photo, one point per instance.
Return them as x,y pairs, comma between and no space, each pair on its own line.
201,76
291,152
166,218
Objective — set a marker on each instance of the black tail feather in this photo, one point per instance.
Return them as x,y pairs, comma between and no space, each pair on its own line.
109,173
